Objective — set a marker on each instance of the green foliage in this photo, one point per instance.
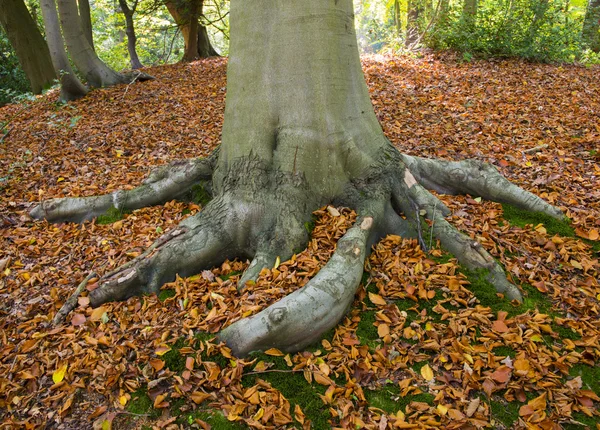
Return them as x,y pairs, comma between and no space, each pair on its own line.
13,81
539,30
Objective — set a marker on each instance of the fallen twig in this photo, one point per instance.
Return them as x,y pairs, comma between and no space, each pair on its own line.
72,301
535,149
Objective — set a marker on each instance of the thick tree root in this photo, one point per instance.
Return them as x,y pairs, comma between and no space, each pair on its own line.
199,242
302,317
163,184
476,178
259,213
468,251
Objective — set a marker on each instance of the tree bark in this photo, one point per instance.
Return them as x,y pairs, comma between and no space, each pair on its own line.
95,71
28,43
130,31
71,87
412,22
195,36
299,133
591,25
469,13
86,21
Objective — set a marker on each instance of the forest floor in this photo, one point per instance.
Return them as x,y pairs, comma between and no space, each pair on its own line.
426,343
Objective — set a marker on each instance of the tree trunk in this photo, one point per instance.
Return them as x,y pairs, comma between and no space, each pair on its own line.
412,23
130,31
28,43
86,20
591,25
70,86
195,36
299,133
95,71
469,13
539,12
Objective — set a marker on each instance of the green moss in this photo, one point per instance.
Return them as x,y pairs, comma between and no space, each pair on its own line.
521,218
199,195
295,388
590,376
141,404
166,293
388,399
487,296
418,365
565,332
216,419
366,331
589,423
504,351
111,215
173,359
505,412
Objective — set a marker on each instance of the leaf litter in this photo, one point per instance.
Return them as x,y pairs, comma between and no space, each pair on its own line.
418,349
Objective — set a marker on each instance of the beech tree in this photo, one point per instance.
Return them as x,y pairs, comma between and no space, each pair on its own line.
591,25
195,36
128,12
299,133
71,87
28,43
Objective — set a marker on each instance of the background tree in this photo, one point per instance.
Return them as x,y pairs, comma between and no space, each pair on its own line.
299,132
86,20
71,87
591,25
29,45
128,12
186,14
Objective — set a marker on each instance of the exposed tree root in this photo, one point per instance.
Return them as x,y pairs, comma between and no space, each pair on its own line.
259,213
476,178
163,184
302,317
200,241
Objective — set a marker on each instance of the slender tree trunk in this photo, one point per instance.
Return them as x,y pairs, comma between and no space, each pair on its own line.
591,25
397,19
95,71
70,86
469,13
28,43
195,36
412,22
130,31
86,20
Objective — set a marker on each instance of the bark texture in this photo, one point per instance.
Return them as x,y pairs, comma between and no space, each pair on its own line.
86,20
28,43
71,87
130,31
300,132
591,25
195,36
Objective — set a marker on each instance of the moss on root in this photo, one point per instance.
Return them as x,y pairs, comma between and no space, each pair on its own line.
112,215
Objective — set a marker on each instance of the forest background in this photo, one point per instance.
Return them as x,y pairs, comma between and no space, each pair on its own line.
563,31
